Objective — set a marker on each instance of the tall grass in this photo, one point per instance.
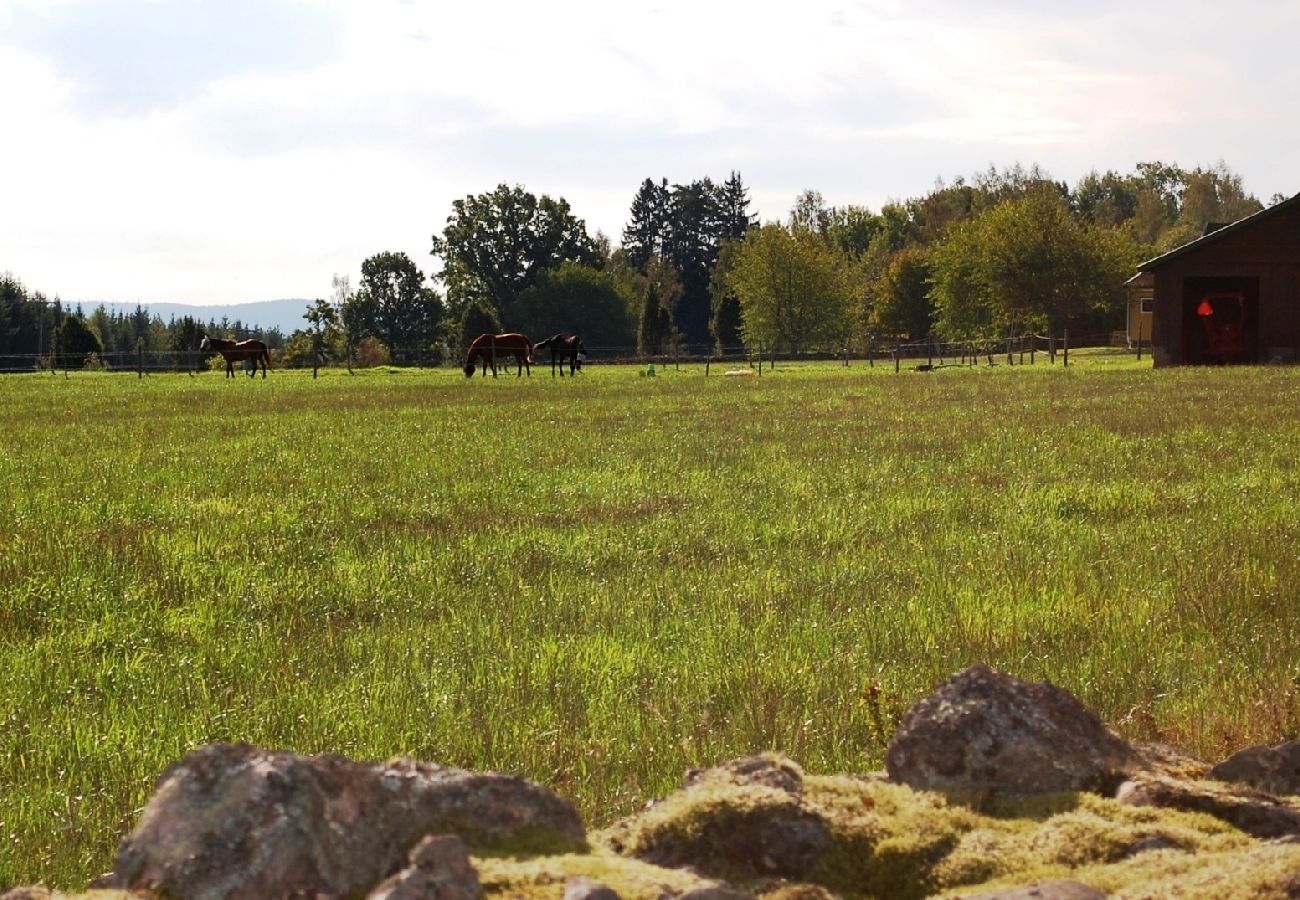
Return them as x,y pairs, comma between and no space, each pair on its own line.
600,582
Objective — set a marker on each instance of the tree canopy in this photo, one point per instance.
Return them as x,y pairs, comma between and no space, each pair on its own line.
577,299
393,304
496,245
795,289
1027,260
686,226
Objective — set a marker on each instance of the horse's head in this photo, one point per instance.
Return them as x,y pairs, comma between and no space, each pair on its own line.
205,344
469,370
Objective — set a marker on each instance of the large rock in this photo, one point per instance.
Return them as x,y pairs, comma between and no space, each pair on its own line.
1258,814
767,769
744,818
232,820
1272,769
983,730
439,870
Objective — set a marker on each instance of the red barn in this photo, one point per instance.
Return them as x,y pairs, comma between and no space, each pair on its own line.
1231,296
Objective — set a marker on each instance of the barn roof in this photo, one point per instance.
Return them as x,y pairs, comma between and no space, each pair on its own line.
1240,225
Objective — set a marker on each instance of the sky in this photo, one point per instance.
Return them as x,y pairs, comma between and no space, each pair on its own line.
205,152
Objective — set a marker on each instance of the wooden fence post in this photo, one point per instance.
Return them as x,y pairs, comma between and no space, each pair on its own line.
1065,348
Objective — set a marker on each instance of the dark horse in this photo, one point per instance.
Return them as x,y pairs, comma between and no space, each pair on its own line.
562,346
488,347
238,351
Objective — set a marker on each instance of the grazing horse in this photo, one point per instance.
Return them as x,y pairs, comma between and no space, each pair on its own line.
488,347
561,346
238,351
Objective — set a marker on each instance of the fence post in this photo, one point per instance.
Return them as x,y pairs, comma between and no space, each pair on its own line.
492,343
139,358
895,358
1139,340
1065,348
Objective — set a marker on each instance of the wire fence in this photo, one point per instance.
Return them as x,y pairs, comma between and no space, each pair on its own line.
1024,349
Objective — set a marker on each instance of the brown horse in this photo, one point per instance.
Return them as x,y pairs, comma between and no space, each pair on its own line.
563,346
487,347
238,351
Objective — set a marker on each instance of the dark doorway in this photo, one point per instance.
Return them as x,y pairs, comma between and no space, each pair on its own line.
1220,321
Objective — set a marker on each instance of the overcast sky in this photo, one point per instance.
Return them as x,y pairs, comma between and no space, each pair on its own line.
224,151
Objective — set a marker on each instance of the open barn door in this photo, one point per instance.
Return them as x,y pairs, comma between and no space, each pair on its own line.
1220,321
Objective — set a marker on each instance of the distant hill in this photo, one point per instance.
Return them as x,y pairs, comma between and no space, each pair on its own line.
285,315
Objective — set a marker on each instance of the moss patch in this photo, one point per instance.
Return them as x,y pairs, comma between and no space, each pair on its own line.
545,877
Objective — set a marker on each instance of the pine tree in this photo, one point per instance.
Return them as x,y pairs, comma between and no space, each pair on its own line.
643,238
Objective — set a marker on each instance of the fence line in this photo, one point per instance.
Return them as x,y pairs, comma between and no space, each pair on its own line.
935,353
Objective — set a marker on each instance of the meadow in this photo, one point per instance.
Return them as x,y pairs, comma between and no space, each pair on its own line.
601,582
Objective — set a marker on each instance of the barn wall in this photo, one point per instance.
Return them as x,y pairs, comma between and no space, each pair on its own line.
1268,250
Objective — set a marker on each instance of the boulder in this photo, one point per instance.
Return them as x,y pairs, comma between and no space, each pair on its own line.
233,820
743,818
1258,814
439,870
1272,769
986,731
767,769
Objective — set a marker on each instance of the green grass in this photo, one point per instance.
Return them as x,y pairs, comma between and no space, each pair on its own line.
601,582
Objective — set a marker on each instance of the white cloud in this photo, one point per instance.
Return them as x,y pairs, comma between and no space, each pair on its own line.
331,130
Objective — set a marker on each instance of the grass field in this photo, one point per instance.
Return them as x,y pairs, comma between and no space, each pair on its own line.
600,582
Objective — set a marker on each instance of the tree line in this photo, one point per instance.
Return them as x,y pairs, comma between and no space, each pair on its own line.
37,331
1005,250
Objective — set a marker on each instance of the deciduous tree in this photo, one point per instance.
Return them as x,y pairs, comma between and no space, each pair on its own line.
578,299
795,289
1027,260
403,312
496,246
902,297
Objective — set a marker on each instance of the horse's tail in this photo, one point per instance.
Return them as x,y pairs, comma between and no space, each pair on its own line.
266,357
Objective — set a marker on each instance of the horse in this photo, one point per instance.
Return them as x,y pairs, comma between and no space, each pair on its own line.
488,347
238,351
561,346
